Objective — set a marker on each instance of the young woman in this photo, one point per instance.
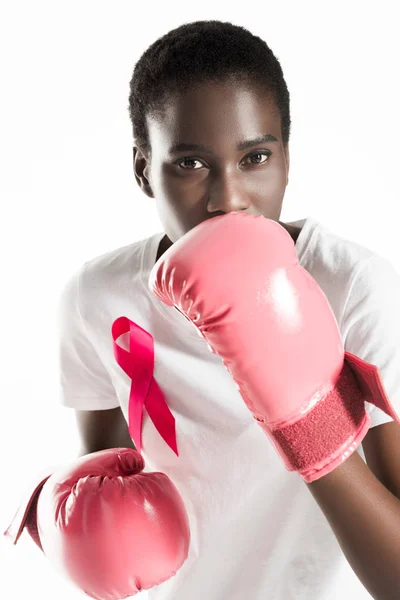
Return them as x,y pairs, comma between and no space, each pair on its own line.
211,121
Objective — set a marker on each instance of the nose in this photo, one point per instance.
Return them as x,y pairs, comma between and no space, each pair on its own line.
226,195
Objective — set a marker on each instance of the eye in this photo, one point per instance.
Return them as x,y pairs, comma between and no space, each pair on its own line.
188,159
186,162
265,153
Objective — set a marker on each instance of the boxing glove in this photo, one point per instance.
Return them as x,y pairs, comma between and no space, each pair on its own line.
111,529
237,278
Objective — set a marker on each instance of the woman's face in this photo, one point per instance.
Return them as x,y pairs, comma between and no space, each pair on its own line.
217,148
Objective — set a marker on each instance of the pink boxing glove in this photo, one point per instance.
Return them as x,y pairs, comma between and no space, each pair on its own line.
111,529
238,280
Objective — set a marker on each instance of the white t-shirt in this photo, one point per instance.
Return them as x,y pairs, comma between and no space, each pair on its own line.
256,531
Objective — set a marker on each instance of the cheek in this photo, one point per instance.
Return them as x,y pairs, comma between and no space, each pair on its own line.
182,194
177,210
272,175
177,183
266,191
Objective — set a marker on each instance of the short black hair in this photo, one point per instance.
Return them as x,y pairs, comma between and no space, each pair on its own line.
202,52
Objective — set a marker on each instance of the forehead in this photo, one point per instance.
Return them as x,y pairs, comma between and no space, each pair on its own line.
214,115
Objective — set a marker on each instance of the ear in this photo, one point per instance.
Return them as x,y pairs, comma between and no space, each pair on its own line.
287,157
141,169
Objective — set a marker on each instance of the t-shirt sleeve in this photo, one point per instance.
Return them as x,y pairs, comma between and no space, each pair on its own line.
85,382
371,327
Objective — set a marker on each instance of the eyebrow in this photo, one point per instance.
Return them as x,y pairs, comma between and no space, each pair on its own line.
183,147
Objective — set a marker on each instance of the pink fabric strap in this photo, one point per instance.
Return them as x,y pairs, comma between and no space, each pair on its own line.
26,512
138,364
335,425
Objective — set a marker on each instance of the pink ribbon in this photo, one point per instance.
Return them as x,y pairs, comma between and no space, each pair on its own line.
138,364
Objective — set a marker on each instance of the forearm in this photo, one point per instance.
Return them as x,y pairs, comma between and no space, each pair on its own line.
365,518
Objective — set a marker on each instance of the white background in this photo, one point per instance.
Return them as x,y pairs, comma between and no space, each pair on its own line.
68,192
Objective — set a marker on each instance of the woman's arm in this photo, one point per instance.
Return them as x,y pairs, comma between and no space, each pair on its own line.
365,518
102,429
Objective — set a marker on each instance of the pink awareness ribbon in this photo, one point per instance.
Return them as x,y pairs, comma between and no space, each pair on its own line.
138,364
